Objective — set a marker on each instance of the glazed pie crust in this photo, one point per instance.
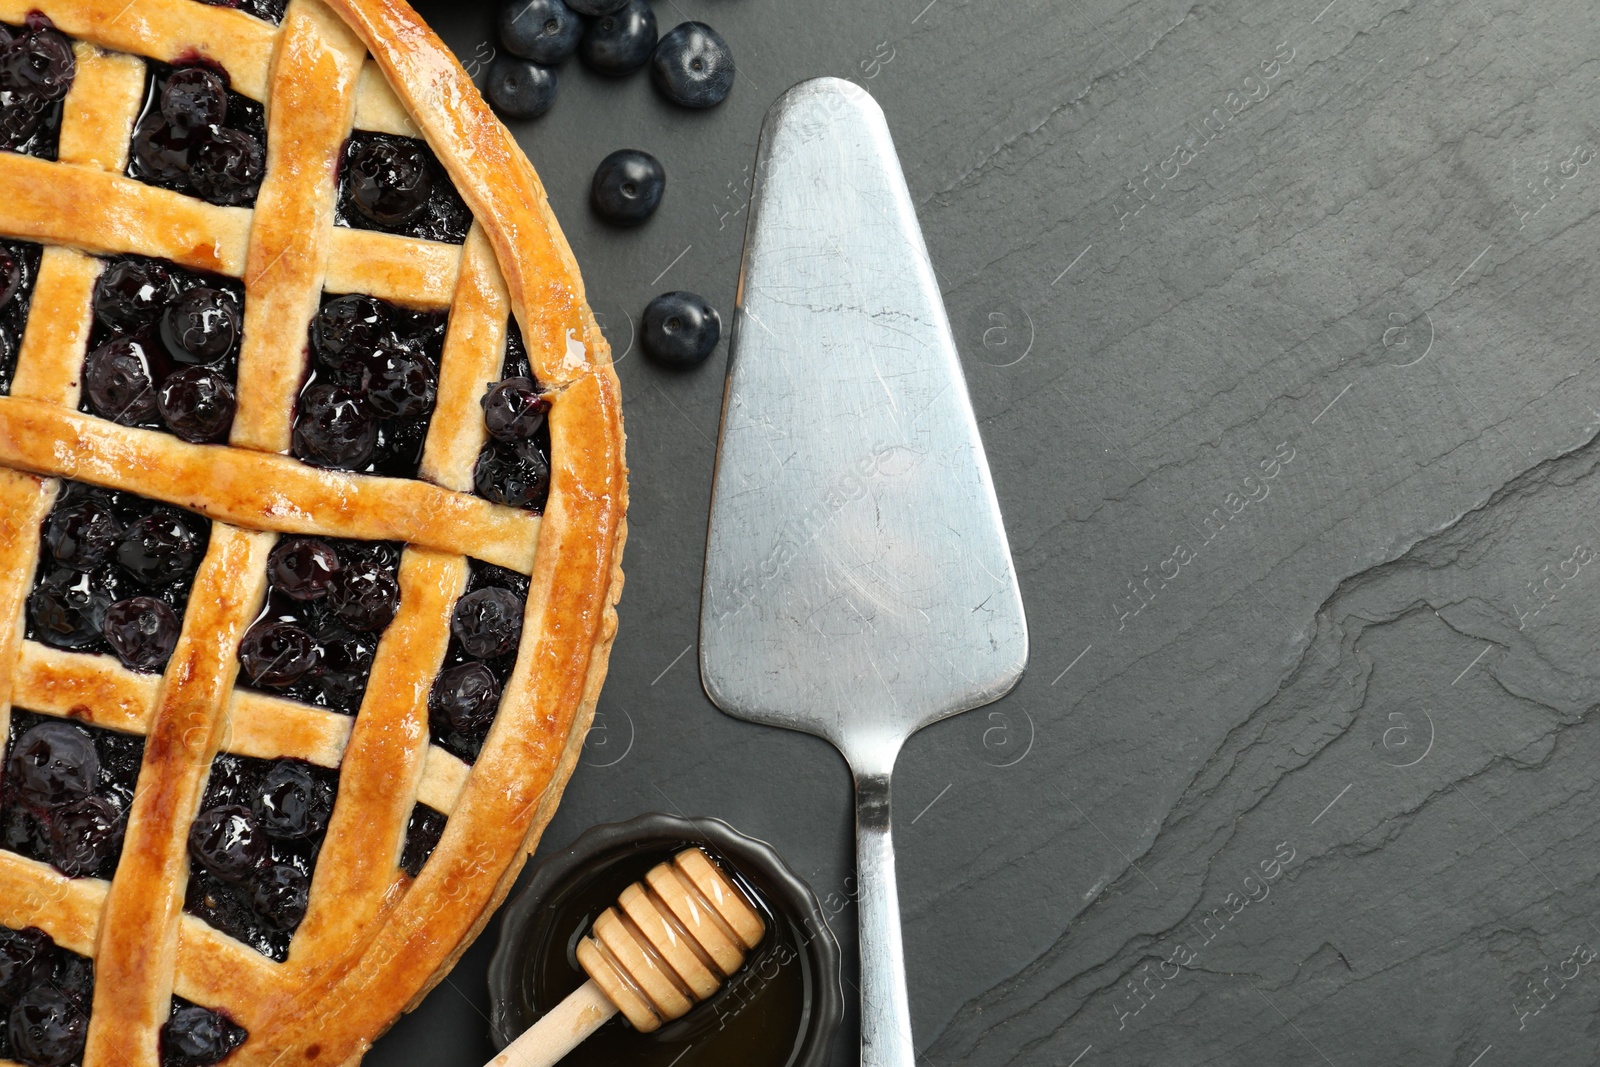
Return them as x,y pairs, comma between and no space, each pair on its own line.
373,941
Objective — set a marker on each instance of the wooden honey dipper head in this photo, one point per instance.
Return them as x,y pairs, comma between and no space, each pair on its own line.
670,942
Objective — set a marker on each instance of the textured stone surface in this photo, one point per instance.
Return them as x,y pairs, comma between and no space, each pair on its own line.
1293,422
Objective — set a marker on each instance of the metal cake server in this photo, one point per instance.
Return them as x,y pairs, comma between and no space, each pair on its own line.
858,583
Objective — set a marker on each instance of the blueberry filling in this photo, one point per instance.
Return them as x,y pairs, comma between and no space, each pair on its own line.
164,349
328,602
114,575
422,837
65,790
265,10
396,184
253,847
194,1036
36,70
196,136
374,378
19,269
514,466
485,630
46,993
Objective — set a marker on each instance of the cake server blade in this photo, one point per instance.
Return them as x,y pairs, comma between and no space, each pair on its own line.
858,583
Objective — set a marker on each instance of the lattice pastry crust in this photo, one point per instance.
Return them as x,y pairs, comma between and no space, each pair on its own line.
373,939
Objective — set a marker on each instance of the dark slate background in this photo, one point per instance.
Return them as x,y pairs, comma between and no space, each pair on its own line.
1293,421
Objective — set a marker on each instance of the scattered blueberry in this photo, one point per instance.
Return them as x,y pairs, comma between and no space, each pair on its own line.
293,802
595,7
680,329
692,66
85,836
488,622
619,43
545,31
53,763
277,654
335,428
119,383
197,404
67,610
627,187
46,1028
227,841
82,535
142,631
389,180
521,88
198,1037
513,410
302,568
159,549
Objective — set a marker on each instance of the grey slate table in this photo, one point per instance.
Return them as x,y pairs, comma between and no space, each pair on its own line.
1279,323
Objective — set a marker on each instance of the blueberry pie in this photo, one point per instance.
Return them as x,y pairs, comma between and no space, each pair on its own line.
311,510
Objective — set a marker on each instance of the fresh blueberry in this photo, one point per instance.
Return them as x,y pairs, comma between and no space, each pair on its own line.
335,428
82,535
198,1037
280,895
595,7
521,88
197,404
53,763
488,623
465,699
516,476
227,841
627,187
293,802
545,31
67,610
621,42
400,382
194,97
37,63
692,66
389,180
302,568
201,325
277,654
680,329
160,549
85,836
513,410
347,330
46,1028
131,293
119,383
142,631
226,166
21,953
364,595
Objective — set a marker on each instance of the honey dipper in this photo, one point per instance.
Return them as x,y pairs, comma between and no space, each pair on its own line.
670,943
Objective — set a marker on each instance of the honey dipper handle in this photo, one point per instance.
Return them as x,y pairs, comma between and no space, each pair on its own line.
562,1029
885,1009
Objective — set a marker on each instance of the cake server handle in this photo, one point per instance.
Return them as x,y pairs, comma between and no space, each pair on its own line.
885,1009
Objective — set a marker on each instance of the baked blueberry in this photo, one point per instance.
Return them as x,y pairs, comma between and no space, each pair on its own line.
341,675
142,631
422,837
161,151
279,895
82,535
277,654
335,428
74,976
488,622
680,329
85,836
400,382
545,31
627,187
227,841
513,410
21,953
46,1028
364,595
692,66
521,88
198,1037
389,180
131,293
160,549
53,763
10,276
225,167
620,42
347,330
465,698
595,7
201,325
67,609
197,404
23,831
37,64
119,383
302,568
194,97
293,802
516,476
20,118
